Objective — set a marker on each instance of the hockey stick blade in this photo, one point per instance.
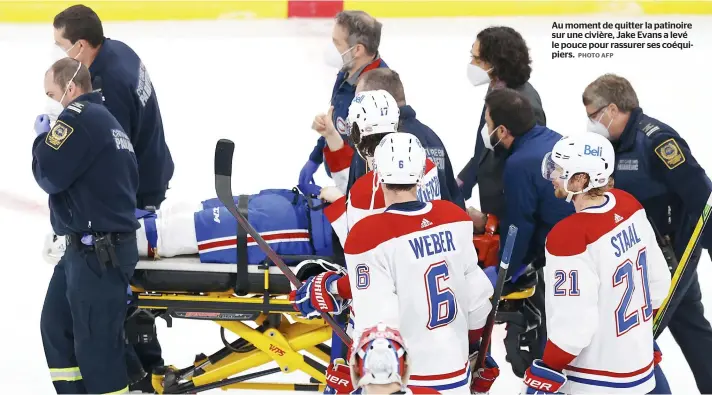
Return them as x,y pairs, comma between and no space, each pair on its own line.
224,150
496,296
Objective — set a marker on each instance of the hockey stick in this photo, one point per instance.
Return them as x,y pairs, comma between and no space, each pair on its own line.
501,276
681,268
223,187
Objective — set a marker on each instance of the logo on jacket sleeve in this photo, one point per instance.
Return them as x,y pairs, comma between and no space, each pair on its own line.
340,125
670,153
58,135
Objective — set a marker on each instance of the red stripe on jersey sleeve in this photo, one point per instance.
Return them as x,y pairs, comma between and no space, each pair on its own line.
567,237
556,358
340,159
335,210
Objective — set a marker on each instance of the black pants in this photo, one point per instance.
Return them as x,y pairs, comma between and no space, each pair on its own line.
142,358
693,334
83,318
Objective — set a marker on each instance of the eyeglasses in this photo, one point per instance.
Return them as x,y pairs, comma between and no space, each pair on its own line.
593,115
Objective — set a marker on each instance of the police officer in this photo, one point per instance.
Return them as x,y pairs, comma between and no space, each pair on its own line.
356,37
530,204
390,81
86,163
655,164
131,97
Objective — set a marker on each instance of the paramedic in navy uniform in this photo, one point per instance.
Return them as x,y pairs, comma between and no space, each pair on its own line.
655,164
129,95
87,165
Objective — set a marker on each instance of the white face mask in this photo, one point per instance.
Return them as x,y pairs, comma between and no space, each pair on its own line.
477,75
53,107
487,138
598,128
334,58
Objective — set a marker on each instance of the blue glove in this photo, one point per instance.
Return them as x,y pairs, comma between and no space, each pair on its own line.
309,189
491,273
313,296
306,175
41,124
540,379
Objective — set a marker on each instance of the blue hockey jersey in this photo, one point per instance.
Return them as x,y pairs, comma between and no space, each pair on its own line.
288,222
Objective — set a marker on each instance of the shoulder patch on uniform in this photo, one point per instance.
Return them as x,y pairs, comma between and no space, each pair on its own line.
650,128
670,153
76,107
58,135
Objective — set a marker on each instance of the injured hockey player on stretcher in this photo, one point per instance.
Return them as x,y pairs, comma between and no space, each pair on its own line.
204,236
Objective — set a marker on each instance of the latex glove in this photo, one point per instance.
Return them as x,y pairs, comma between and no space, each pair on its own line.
491,273
338,378
330,194
306,175
314,297
41,124
540,379
310,189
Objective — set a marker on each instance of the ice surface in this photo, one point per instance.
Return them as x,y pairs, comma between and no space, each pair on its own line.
260,83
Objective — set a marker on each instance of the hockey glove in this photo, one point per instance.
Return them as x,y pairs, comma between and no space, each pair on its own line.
540,379
338,378
314,296
482,378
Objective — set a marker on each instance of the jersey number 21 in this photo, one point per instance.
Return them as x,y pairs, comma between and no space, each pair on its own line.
441,300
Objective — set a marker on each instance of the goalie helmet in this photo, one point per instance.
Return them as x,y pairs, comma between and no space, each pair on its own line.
372,112
379,358
587,153
399,159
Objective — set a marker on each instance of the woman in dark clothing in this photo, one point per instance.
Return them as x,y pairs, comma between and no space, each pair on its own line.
500,58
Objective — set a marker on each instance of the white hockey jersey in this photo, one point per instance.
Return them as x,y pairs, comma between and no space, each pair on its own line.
365,196
604,276
414,267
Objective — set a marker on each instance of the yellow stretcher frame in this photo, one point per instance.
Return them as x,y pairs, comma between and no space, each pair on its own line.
281,336
275,339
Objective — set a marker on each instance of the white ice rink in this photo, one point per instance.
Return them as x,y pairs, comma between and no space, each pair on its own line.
260,83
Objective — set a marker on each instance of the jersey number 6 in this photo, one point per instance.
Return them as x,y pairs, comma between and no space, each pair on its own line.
625,273
441,299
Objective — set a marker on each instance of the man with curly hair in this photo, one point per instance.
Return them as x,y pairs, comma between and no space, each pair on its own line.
500,58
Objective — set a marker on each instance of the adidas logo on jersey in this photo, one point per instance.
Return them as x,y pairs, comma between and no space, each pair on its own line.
617,218
425,223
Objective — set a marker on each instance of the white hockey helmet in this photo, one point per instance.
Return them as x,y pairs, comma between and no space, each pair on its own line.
399,159
587,153
372,112
380,357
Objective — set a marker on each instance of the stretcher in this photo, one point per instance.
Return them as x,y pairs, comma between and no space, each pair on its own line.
268,328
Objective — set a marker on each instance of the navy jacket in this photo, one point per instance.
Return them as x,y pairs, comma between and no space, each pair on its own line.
128,93
529,198
655,164
341,97
87,165
485,166
436,151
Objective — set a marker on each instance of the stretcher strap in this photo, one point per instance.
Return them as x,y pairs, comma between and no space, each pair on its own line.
149,223
243,284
